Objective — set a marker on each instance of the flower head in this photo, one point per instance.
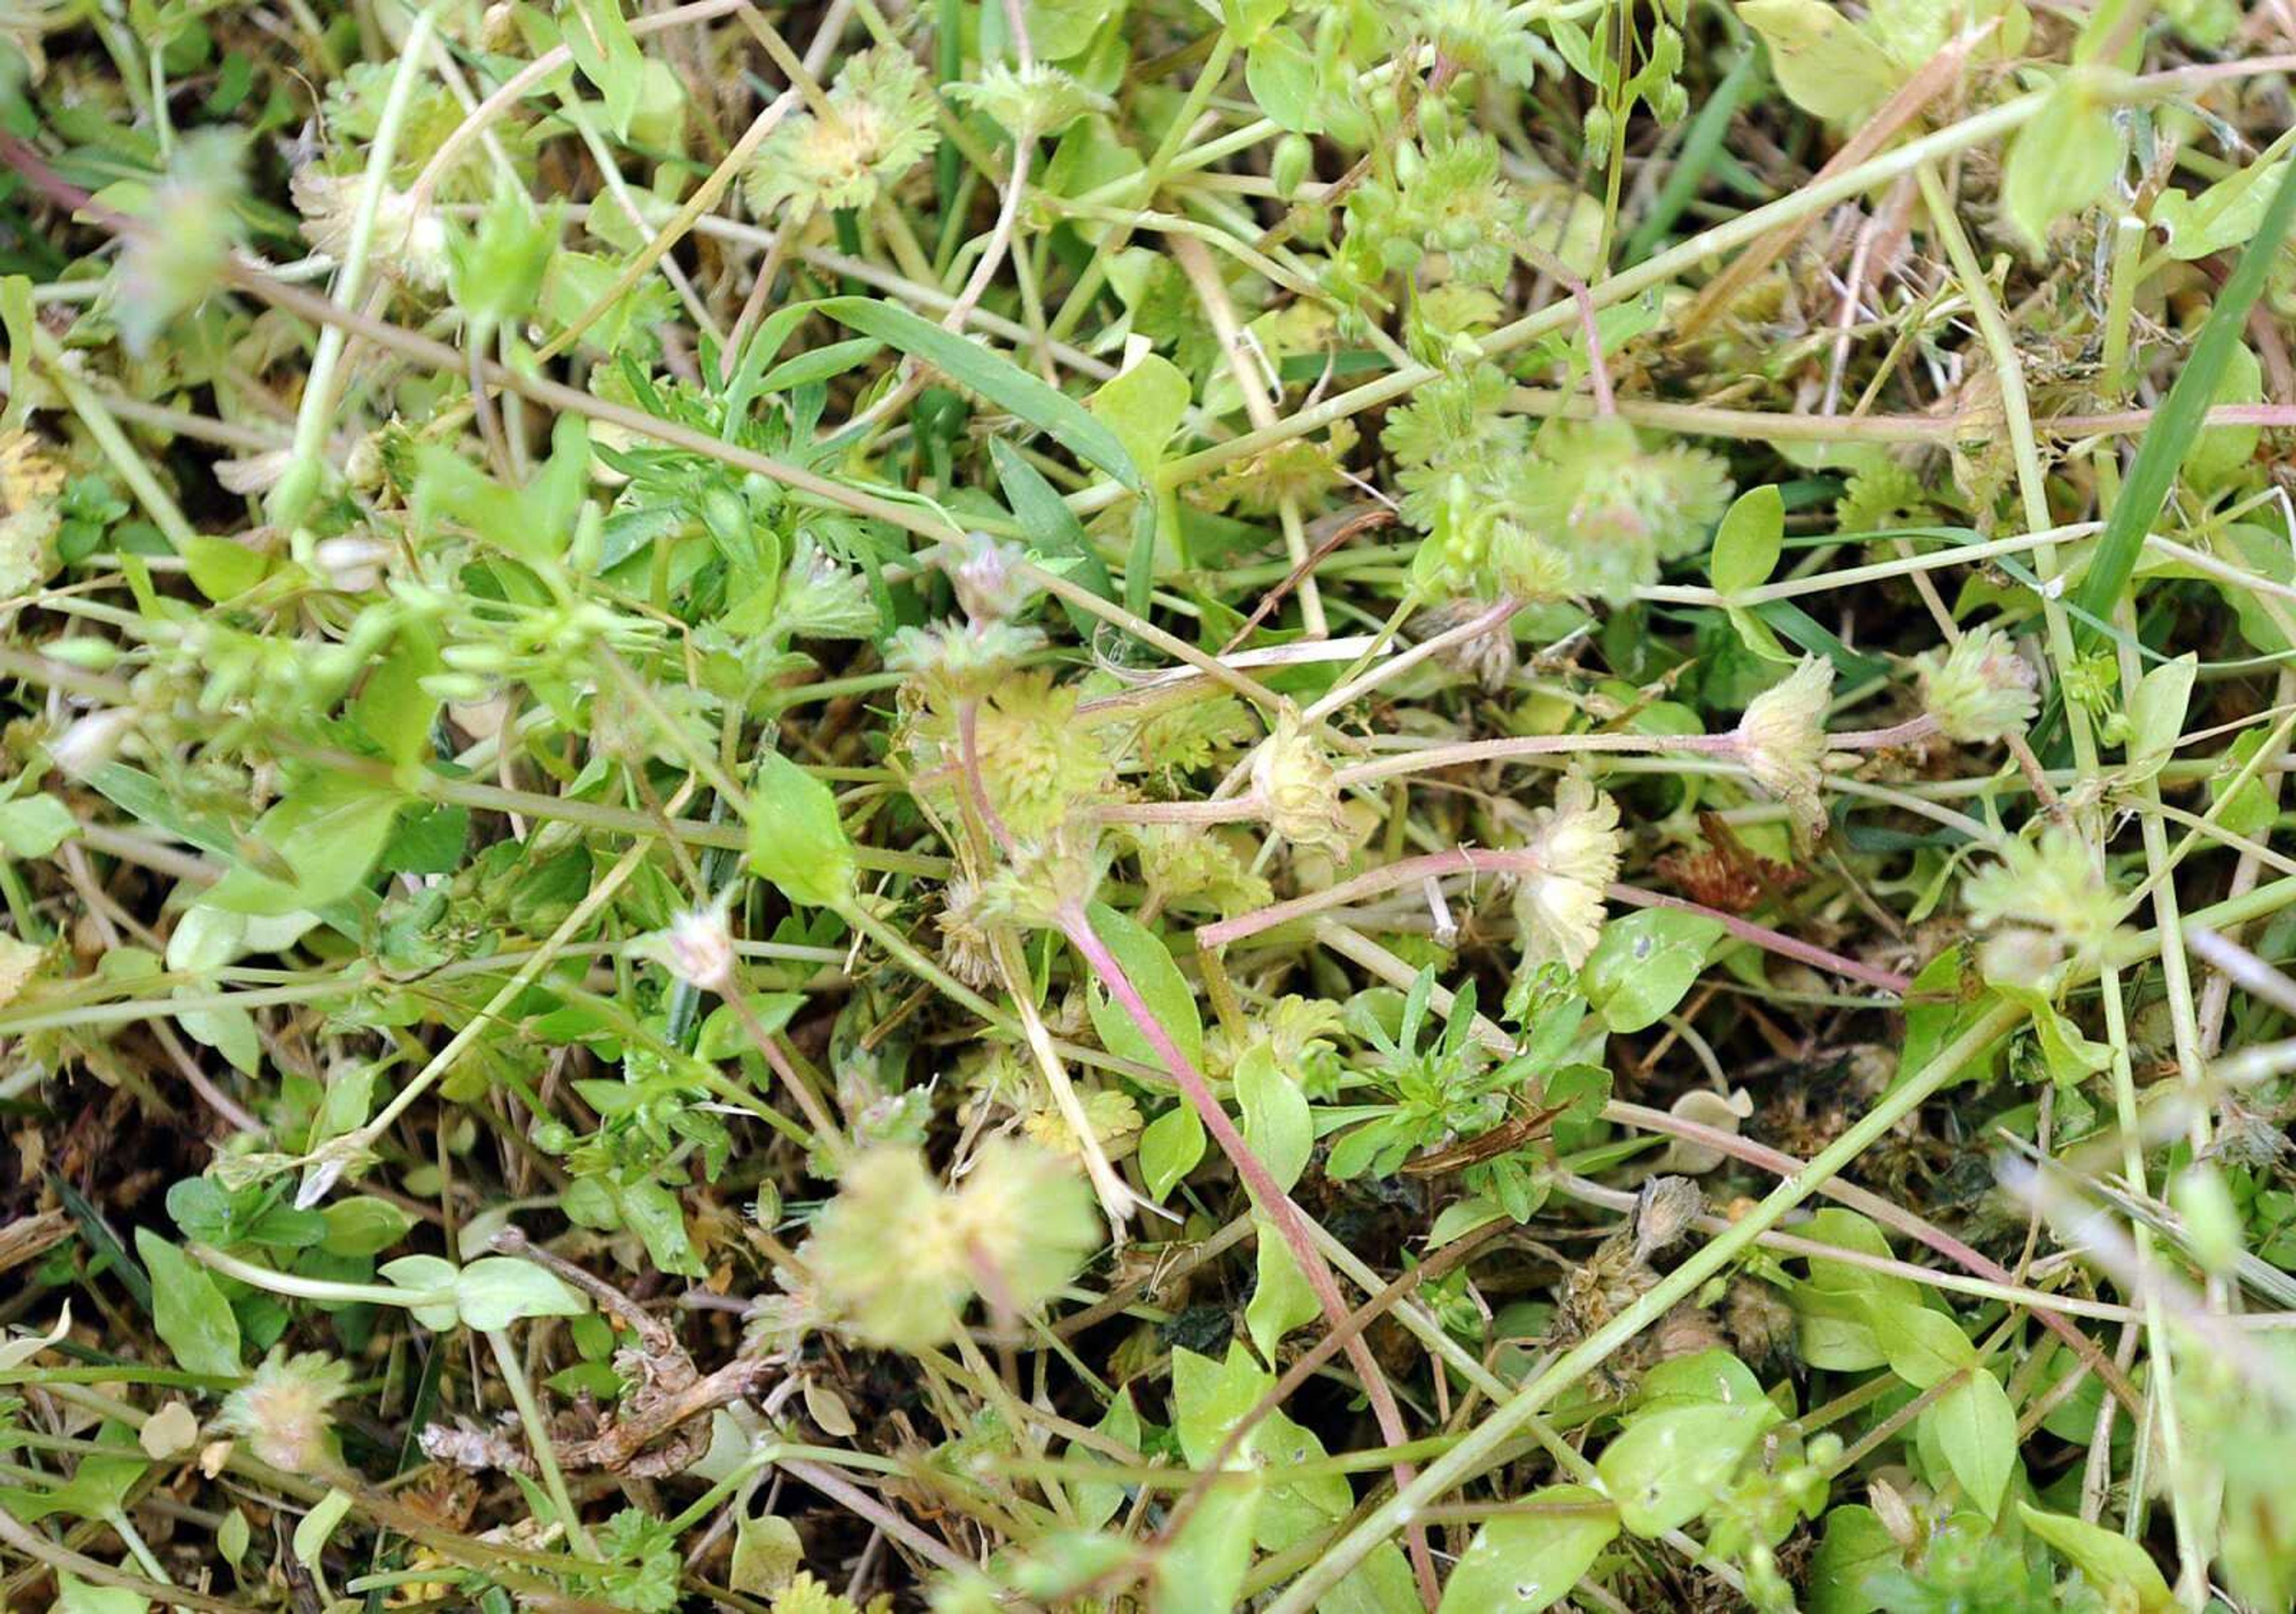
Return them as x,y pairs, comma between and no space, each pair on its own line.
283,1412
30,481
1296,781
1024,1221
699,948
1034,99
408,245
2041,898
1782,740
1559,908
897,1257
1980,691
878,126
19,961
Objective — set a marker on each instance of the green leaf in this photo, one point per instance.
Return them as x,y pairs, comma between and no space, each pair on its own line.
1281,70
1050,528
1823,62
1926,1347
652,1211
2221,452
1747,544
2169,438
77,1596
1148,963
2156,715
2226,214
1644,963
768,1555
796,839
1857,1545
1281,1299
222,569
33,826
495,1291
994,377
97,1490
363,1225
312,1534
2107,1559
1707,1378
1521,1564
2060,163
1976,1429
1144,406
1277,1122
1834,1330
1096,1502
1667,1467
324,835
189,1310
602,47
431,1277
1170,1146
1204,1565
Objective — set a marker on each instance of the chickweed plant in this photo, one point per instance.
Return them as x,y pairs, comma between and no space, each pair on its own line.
977,805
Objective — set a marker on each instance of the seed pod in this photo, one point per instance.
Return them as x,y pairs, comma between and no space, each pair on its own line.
1291,164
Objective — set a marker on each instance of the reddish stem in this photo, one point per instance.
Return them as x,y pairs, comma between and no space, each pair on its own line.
1478,860
1288,1219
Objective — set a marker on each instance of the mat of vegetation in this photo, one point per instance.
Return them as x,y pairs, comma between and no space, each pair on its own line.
1130,806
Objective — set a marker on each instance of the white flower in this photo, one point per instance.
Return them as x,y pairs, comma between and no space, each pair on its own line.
1980,691
699,948
1782,740
1576,842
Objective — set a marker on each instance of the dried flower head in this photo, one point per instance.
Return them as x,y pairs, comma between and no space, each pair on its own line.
281,1413
1298,785
18,961
1782,741
1559,909
30,481
408,245
877,125
965,947
1980,691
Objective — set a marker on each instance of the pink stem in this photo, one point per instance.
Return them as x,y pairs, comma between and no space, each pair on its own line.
1459,860
1479,860
1880,739
1289,1221
1767,940
1434,757
968,715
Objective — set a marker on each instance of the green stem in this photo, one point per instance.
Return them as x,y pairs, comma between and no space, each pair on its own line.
1469,1457
537,1437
